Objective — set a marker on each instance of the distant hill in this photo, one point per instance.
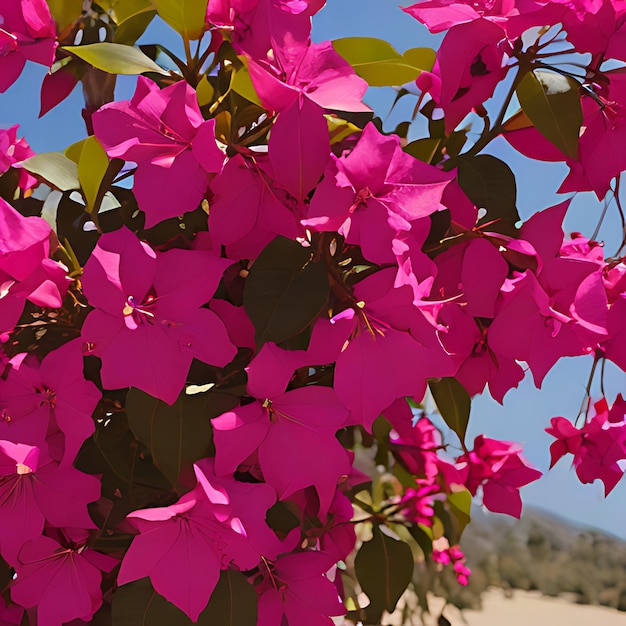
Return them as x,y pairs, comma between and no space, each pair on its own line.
546,553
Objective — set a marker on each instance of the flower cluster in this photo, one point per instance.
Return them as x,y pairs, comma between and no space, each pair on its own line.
191,384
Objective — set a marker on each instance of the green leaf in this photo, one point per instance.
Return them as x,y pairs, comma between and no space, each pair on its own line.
205,92
242,84
339,129
65,12
490,184
176,435
116,58
460,504
284,291
380,64
121,10
384,567
130,29
552,103
186,17
55,169
423,149
138,604
233,603
453,403
92,167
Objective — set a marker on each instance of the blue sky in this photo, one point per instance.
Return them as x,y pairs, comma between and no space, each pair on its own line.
526,411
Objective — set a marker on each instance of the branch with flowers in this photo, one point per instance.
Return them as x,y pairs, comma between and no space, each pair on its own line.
216,342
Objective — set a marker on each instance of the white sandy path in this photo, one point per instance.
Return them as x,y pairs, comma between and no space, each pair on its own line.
523,609
533,609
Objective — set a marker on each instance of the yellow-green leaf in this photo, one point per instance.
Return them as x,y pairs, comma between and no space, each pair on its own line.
65,12
204,92
380,64
186,17
339,129
74,150
121,10
55,169
552,103
92,167
116,58
242,84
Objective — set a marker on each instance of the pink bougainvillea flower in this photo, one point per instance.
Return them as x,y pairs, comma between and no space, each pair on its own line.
294,434
61,582
598,446
375,192
182,547
469,66
259,25
299,147
34,490
500,468
27,32
14,150
149,322
395,346
602,136
26,272
248,503
271,369
514,16
445,554
295,590
37,398
311,70
248,210
163,131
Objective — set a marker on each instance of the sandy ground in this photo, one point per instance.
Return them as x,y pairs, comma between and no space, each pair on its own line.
523,609
533,609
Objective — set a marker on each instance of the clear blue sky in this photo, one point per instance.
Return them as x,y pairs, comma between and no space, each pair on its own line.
526,411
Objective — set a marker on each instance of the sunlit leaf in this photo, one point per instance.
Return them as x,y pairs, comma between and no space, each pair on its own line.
92,166
65,12
186,17
552,102
380,64
55,169
116,58
205,92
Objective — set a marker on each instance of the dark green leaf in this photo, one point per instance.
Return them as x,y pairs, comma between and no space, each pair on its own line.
552,103
138,604
453,403
423,149
384,567
233,603
490,184
285,291
176,435
423,539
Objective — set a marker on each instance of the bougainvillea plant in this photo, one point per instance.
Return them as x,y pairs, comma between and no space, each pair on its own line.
216,337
